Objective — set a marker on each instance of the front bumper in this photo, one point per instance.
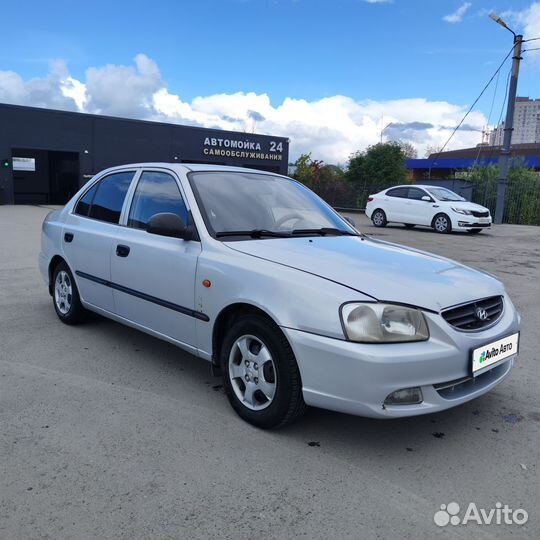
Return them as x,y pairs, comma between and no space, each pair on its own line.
461,221
356,378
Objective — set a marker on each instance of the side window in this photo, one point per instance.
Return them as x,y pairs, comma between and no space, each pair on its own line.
110,195
400,192
156,192
85,202
416,194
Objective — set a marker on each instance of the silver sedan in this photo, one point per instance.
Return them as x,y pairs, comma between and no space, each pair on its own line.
286,300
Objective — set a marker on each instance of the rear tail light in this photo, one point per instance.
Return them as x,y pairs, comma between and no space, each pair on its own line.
369,199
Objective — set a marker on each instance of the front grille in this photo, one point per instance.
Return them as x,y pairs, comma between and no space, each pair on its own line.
468,317
475,213
465,386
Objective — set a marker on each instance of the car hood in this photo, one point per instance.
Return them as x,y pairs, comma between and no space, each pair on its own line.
384,271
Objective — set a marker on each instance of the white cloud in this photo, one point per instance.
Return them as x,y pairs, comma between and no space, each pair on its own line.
458,15
379,1
331,128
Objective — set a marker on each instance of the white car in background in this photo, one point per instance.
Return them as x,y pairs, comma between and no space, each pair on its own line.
432,206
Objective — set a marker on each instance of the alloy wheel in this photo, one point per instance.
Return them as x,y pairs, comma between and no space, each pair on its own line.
252,372
441,224
63,292
378,218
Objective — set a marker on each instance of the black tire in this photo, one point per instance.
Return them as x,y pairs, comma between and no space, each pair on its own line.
474,231
378,218
409,225
68,308
442,224
287,403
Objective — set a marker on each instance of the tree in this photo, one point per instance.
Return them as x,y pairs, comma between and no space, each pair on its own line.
409,151
522,201
432,149
304,171
382,164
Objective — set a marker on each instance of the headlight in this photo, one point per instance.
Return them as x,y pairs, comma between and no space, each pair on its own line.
462,211
383,323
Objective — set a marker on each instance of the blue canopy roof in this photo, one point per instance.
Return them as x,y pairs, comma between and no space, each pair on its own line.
464,163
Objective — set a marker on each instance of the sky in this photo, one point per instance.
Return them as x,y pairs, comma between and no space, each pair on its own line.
328,74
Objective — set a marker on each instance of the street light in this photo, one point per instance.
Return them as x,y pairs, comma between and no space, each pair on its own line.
500,21
383,129
504,161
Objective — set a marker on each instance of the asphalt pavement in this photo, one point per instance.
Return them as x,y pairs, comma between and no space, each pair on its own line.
109,433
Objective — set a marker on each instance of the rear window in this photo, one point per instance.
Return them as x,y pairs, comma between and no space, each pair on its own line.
397,192
85,202
105,199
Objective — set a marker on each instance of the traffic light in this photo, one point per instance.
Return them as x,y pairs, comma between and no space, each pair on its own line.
6,162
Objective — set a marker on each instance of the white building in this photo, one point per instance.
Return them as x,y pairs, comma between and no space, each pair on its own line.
526,123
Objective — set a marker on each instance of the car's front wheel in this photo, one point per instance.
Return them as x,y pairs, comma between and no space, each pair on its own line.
260,373
66,300
442,223
379,218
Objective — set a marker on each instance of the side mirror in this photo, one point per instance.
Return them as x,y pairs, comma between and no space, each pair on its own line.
427,198
350,221
168,224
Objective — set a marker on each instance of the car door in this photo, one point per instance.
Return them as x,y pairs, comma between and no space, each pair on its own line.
417,211
153,276
394,203
88,235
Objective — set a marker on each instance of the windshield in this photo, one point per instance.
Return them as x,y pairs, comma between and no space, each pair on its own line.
443,194
262,205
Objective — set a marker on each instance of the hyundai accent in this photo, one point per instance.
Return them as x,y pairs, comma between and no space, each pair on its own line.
286,300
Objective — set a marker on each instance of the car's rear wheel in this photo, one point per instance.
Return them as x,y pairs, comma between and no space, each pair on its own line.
260,373
409,225
442,224
379,218
474,231
66,299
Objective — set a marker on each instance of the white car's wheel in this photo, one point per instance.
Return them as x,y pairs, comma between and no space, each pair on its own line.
442,223
379,218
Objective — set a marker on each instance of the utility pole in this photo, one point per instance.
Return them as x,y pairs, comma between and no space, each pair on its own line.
504,159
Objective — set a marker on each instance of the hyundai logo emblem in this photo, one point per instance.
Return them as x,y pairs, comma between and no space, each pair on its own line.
481,314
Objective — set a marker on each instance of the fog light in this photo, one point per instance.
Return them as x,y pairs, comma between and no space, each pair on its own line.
463,224
406,396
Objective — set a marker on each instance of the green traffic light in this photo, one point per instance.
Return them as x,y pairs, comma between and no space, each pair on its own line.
6,163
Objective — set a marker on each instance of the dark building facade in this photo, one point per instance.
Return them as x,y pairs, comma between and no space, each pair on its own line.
47,154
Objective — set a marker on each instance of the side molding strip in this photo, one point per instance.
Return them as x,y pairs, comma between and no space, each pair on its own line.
144,296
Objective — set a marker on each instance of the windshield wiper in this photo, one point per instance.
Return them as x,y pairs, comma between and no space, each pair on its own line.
323,231
254,233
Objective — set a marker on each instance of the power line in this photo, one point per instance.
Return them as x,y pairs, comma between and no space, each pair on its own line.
474,103
489,117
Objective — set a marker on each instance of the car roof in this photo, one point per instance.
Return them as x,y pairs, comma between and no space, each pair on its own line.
192,167
421,186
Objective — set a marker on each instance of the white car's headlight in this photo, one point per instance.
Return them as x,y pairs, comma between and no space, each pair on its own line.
383,323
462,211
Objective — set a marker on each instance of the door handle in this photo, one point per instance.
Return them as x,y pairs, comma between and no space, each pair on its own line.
68,237
122,251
